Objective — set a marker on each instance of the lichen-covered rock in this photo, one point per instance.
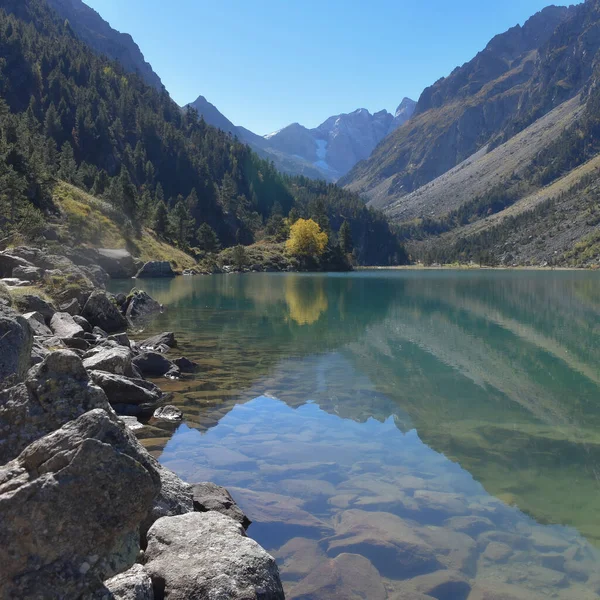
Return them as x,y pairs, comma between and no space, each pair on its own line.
113,360
207,555
210,496
141,306
64,326
125,390
56,391
71,504
134,584
102,312
156,268
16,342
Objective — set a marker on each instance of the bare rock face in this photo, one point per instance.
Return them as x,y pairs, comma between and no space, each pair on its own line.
102,312
209,496
207,555
71,504
56,391
16,342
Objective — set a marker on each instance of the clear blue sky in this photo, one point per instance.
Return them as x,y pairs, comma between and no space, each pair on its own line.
267,63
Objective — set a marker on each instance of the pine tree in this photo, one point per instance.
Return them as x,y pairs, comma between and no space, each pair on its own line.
345,238
181,222
161,219
68,167
207,238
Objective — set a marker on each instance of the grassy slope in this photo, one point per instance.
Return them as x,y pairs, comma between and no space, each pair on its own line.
93,222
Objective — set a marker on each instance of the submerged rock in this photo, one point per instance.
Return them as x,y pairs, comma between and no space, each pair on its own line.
124,390
348,576
207,555
71,505
208,496
16,342
168,413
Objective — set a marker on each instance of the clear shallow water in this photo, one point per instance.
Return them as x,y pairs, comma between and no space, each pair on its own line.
442,425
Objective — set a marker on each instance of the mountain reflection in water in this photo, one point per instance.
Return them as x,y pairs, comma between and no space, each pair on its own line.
356,414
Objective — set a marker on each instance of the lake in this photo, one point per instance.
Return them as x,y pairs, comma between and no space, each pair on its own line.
397,434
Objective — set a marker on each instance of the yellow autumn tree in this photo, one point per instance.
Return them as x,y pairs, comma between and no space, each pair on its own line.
306,239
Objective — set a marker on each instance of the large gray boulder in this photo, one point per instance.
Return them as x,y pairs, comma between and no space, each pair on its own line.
126,390
207,555
64,326
118,263
155,268
16,342
56,391
102,312
116,360
210,496
141,306
71,505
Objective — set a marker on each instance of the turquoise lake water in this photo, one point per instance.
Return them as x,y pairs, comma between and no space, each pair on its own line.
444,426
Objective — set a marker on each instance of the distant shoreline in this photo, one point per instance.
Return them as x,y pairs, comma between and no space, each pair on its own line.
471,268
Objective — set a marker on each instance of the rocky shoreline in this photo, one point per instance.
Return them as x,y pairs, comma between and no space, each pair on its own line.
86,511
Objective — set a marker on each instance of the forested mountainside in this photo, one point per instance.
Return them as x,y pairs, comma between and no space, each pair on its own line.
498,165
71,114
99,35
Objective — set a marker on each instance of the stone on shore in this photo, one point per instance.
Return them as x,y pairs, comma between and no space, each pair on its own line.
32,303
37,323
185,365
207,555
9,262
134,584
117,262
56,391
71,504
102,312
115,360
156,341
64,326
208,496
16,342
141,306
72,307
153,364
125,390
155,268
27,273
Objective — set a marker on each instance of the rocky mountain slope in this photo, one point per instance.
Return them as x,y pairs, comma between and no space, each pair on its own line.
91,28
466,111
499,165
325,152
